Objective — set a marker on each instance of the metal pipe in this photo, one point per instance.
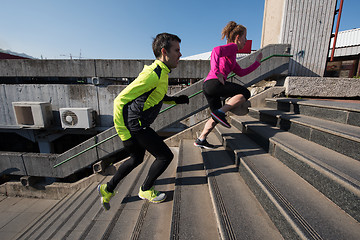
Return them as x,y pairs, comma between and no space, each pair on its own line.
336,31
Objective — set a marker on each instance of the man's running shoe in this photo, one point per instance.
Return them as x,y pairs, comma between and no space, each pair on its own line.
105,196
203,144
152,195
220,118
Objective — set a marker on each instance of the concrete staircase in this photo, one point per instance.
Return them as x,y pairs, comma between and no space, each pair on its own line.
263,181
309,187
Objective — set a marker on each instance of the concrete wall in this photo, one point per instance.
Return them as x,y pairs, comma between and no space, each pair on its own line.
95,68
307,26
98,98
322,87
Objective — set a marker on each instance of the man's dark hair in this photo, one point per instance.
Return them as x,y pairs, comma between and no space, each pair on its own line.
163,40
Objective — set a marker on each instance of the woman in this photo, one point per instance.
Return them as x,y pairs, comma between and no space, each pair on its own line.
223,61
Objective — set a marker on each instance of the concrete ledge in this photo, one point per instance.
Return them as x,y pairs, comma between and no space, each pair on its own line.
322,87
95,68
12,163
53,191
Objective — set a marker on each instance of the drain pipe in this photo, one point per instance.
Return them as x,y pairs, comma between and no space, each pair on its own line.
337,29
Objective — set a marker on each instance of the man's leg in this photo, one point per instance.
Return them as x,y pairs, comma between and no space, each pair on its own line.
154,144
137,153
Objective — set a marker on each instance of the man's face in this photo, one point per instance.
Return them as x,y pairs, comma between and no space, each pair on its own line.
172,57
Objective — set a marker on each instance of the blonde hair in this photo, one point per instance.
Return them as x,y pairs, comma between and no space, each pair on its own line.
231,30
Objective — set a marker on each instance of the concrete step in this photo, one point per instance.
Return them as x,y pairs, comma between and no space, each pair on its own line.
80,215
18,213
155,221
64,221
139,219
95,224
193,214
50,222
295,206
342,112
239,214
335,175
339,137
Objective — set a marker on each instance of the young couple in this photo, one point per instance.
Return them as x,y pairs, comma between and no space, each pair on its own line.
137,106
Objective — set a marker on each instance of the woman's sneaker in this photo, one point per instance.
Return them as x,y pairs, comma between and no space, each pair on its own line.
220,118
203,144
152,195
105,196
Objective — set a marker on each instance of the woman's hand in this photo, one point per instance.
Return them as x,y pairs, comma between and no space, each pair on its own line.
259,57
221,78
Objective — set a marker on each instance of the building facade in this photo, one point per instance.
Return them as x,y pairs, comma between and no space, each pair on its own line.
306,25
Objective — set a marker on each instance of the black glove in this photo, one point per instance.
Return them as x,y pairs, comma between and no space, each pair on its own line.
182,99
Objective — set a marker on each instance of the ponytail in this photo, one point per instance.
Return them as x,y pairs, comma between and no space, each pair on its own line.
231,30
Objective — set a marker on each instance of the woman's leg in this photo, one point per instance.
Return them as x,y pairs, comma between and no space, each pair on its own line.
209,126
214,102
213,90
237,93
233,102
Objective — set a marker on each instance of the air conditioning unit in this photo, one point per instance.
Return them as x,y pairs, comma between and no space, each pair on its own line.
33,114
77,117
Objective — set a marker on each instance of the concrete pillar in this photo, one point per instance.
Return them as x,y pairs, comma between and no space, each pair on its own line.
45,146
272,22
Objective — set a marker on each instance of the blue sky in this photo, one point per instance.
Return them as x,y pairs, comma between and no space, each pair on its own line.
123,29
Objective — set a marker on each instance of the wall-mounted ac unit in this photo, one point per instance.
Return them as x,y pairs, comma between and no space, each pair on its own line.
77,117
33,114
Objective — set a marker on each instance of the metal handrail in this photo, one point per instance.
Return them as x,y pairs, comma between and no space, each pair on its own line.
165,109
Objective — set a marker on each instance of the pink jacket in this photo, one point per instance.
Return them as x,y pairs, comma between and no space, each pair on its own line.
223,60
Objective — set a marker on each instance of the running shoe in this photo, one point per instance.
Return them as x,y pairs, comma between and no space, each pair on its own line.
152,195
220,118
105,196
203,144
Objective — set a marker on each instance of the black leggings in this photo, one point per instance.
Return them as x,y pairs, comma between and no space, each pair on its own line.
214,90
145,139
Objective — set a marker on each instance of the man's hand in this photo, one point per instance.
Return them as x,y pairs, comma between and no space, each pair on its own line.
182,99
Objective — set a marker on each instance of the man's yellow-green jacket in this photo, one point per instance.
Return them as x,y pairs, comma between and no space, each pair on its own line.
140,102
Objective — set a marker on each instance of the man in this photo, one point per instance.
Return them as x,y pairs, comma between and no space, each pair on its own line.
135,108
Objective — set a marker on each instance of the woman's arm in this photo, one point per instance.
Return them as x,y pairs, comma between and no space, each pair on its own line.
242,72
218,52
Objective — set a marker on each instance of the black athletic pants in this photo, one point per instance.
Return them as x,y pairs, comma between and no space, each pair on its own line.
214,90
145,139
